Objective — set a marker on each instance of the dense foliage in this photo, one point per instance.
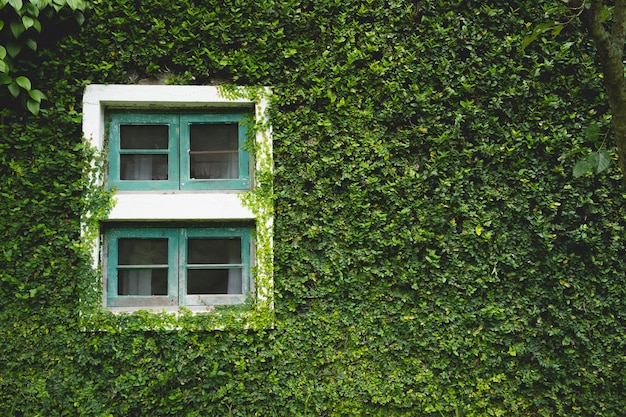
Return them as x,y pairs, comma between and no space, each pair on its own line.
20,30
434,254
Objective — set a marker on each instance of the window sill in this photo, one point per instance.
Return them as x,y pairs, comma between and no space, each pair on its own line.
179,206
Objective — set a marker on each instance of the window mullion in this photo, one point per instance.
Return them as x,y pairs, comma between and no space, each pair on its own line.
175,152
181,267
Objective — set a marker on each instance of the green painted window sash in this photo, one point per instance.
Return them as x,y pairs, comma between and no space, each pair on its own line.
187,183
244,233
178,152
177,266
112,237
119,119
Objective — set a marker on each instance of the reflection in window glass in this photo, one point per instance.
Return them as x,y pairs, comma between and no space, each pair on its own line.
142,148
204,276
142,267
214,151
144,137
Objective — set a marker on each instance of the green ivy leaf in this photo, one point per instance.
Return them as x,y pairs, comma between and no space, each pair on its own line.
80,18
13,49
14,89
76,4
36,95
23,82
33,106
16,4
31,43
17,28
31,8
28,22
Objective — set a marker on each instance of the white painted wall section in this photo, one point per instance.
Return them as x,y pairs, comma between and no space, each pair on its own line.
179,206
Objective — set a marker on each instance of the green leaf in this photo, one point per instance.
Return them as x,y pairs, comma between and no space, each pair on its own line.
33,106
80,18
28,22
17,28
581,168
74,4
606,13
23,82
3,52
592,132
31,8
5,79
37,95
599,161
4,67
537,31
40,4
13,49
14,89
16,4
557,30
31,43
1,22
595,162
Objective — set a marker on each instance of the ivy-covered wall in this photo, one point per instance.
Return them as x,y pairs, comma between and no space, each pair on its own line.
434,254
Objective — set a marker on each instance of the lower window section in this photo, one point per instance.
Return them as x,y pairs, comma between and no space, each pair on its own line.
170,266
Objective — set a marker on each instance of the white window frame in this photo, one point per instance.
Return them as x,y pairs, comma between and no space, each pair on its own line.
178,205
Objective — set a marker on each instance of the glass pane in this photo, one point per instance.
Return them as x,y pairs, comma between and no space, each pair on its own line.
214,151
132,251
142,282
214,281
144,137
214,251
143,167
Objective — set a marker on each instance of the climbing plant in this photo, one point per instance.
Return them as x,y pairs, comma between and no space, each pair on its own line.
434,254
21,28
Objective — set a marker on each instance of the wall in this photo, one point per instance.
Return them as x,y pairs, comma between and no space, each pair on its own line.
434,254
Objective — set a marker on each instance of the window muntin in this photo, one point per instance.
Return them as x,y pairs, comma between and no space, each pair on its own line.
178,152
144,151
168,266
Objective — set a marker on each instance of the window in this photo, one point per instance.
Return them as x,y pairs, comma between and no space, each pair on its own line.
178,151
171,266
188,228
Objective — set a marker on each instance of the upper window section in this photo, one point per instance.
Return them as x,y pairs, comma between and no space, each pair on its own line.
178,151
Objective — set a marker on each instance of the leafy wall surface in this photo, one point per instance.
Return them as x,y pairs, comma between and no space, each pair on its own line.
434,254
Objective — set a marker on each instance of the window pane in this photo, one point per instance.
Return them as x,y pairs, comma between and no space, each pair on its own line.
144,136
214,151
214,281
214,251
143,167
142,282
132,251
